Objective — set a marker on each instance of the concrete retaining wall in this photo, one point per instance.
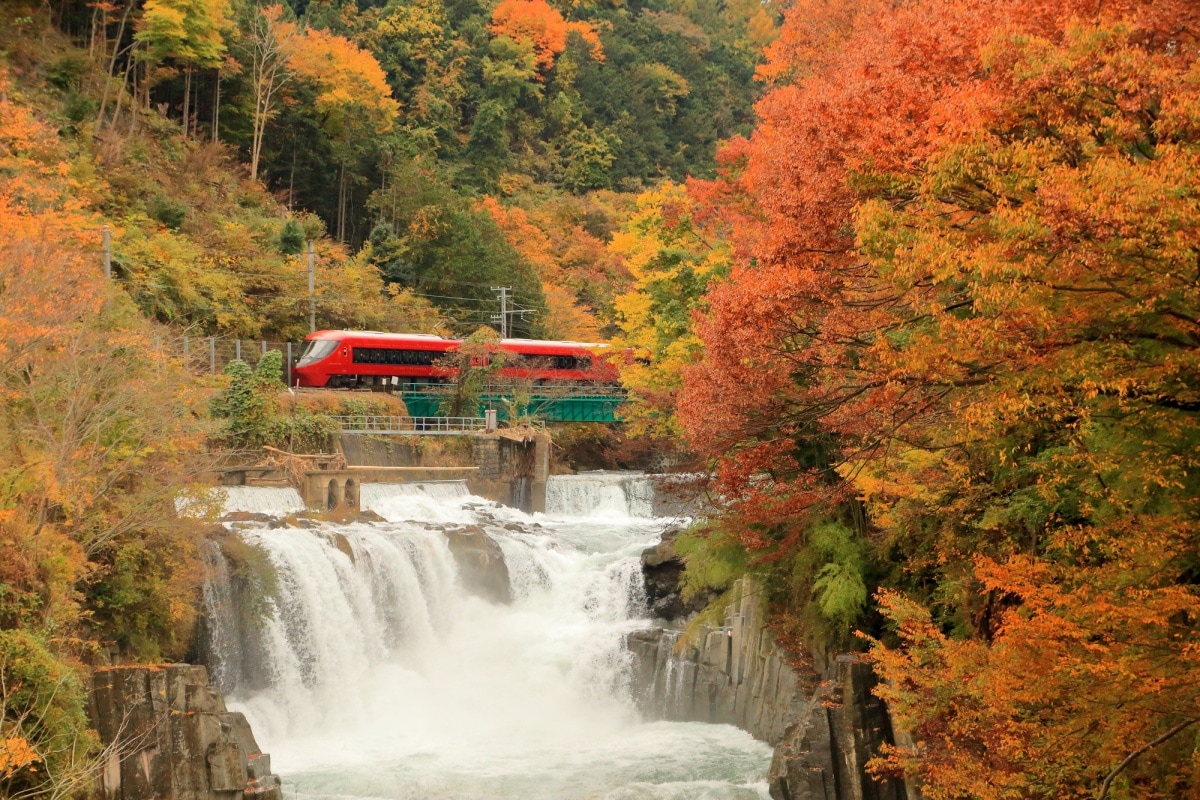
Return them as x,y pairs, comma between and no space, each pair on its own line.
498,466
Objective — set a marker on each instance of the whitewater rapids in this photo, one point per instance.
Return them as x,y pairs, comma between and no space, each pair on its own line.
380,676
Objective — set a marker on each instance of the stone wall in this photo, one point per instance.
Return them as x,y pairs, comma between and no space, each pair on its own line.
174,738
823,720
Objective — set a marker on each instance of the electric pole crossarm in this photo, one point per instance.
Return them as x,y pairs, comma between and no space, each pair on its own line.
503,291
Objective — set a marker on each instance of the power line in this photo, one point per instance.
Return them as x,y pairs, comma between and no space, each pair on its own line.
315,298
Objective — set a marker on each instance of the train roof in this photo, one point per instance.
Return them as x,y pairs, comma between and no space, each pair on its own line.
586,345
529,346
379,334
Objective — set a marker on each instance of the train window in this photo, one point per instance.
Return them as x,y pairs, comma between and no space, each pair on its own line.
576,362
396,357
570,362
315,351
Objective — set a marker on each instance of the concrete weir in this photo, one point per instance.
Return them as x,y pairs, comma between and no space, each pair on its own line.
509,466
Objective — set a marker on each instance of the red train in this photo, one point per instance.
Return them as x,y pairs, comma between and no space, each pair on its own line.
368,359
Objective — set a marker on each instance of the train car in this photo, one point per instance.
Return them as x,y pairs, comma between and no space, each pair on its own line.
347,359
350,359
544,362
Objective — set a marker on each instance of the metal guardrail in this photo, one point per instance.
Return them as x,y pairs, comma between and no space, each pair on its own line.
409,425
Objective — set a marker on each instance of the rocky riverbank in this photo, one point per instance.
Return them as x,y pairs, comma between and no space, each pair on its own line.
818,713
167,733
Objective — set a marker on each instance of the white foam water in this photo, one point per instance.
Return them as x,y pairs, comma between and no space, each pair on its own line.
387,679
276,501
600,494
222,500
433,501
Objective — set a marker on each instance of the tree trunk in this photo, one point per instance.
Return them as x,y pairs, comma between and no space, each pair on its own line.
112,64
121,94
292,177
256,137
103,27
187,96
341,213
216,135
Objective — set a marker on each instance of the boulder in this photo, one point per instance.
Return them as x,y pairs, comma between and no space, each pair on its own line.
481,565
247,516
662,574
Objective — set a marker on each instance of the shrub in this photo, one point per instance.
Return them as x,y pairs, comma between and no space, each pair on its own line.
44,736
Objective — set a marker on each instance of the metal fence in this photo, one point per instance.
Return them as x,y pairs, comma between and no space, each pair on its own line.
211,354
365,423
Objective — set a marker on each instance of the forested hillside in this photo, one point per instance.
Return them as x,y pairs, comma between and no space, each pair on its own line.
401,137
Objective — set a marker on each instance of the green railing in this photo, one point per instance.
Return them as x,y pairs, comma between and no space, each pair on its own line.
546,403
374,424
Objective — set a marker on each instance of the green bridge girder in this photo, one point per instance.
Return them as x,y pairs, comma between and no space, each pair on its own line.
548,406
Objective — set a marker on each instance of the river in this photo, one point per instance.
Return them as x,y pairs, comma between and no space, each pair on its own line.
374,673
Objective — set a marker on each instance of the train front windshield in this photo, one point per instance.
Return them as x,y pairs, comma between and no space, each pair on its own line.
315,351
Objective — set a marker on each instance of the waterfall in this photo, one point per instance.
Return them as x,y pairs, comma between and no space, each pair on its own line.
224,500
369,667
219,641
277,501
432,501
600,494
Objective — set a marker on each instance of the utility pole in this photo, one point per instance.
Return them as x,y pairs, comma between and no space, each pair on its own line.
107,234
503,290
312,290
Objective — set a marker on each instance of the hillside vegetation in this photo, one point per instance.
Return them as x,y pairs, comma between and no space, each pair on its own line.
431,151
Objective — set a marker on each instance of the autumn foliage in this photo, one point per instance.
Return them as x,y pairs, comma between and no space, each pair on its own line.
347,79
672,260
99,434
539,24
565,317
965,300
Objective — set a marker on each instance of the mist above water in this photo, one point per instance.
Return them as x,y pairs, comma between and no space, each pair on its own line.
381,676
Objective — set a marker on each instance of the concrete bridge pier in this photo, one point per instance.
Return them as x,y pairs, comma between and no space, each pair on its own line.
330,490
541,472
513,468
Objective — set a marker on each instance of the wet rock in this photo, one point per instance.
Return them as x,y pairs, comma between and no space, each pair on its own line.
731,673
824,754
174,737
818,711
342,543
368,516
247,516
246,526
481,565
662,573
